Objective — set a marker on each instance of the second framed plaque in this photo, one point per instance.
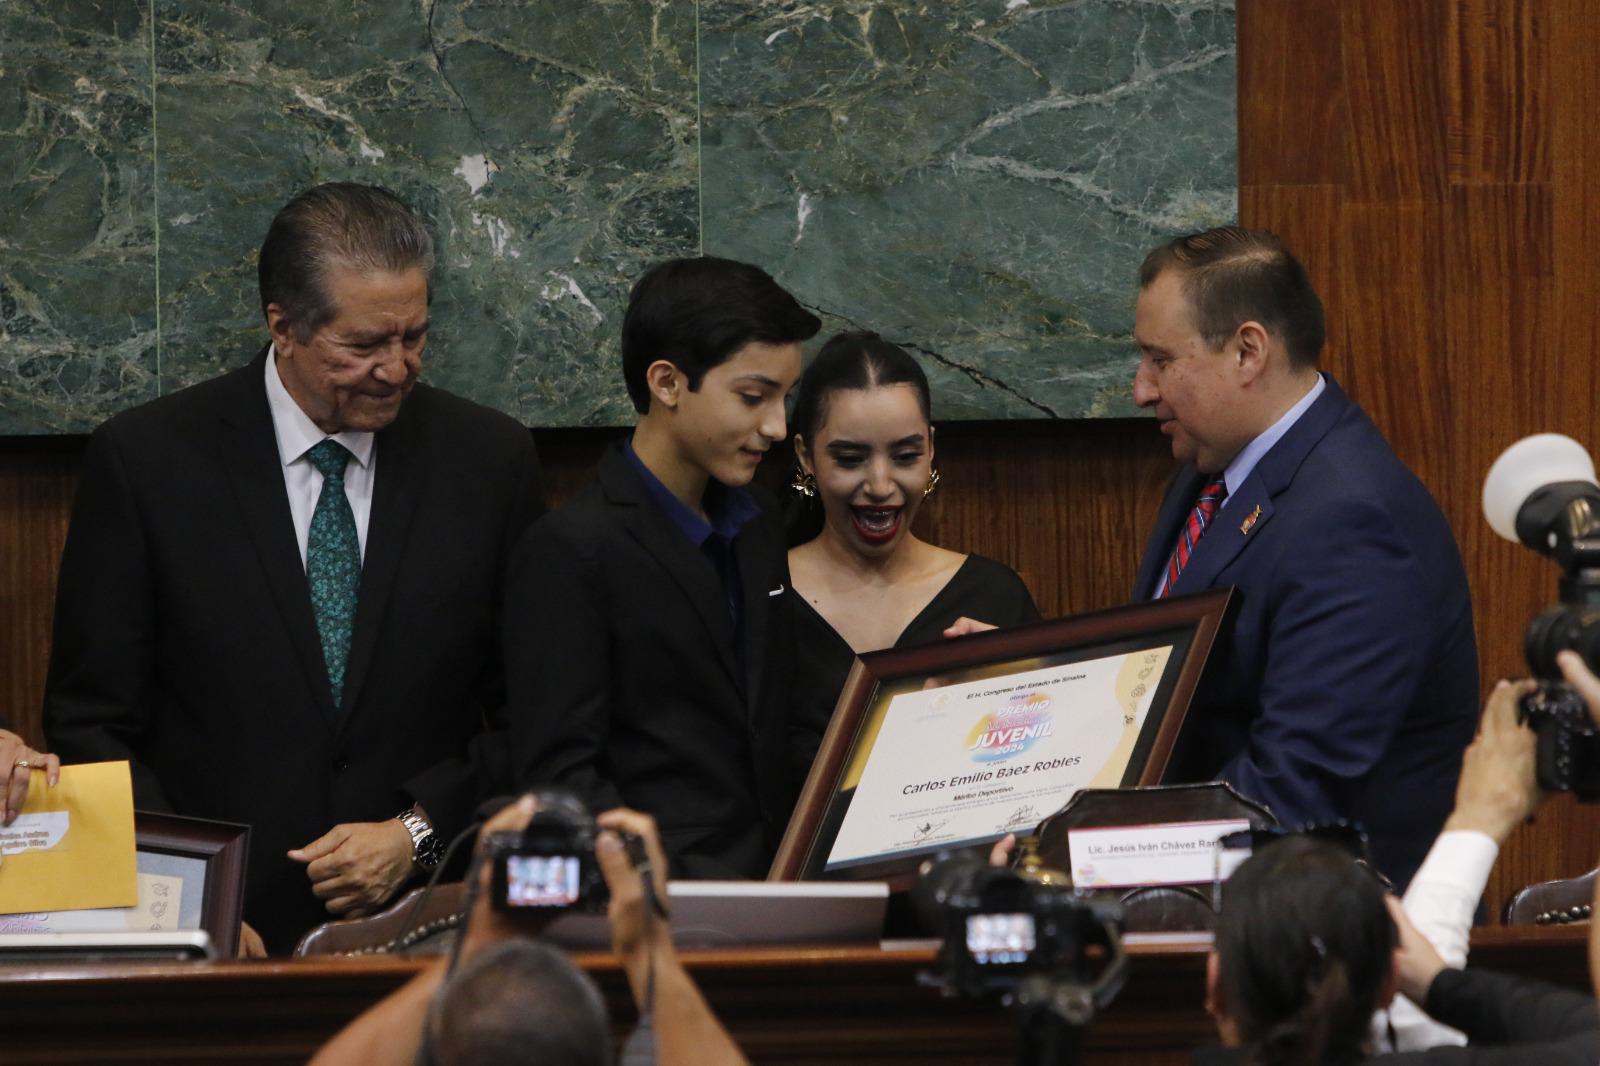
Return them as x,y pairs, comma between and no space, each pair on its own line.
956,744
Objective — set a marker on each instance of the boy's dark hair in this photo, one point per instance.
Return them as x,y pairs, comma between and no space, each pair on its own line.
1304,945
1232,275
856,360
695,313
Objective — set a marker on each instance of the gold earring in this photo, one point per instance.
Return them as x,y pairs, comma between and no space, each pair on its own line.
933,483
805,483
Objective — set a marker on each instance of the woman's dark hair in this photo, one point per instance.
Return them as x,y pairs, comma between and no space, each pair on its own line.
855,360
859,359
1304,945
696,313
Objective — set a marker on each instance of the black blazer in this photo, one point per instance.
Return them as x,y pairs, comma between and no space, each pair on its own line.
628,684
185,639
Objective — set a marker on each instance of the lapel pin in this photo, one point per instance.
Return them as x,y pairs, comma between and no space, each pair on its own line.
1250,520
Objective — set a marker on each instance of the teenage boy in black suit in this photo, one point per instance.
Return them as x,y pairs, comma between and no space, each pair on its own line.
644,639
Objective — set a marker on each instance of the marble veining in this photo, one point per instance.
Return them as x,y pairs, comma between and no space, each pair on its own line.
976,179
557,156
77,218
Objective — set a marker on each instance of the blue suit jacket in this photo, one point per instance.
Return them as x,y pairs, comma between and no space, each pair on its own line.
1345,683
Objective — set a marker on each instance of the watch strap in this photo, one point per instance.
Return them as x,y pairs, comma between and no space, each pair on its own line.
424,842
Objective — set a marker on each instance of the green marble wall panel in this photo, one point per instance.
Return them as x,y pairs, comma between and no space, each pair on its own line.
77,221
554,146
975,179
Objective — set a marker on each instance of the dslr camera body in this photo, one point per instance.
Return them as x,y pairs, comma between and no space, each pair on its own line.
550,865
1567,758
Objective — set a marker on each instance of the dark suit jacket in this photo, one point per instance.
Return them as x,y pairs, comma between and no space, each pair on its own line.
185,639
1346,685
629,685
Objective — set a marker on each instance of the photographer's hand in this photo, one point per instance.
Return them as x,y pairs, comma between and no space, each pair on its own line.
1416,962
686,1032
636,932
1499,789
1582,680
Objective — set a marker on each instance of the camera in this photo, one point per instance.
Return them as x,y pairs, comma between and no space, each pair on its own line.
1567,758
1040,946
1541,492
550,865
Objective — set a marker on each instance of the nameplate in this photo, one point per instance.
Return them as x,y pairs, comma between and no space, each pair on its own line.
1137,856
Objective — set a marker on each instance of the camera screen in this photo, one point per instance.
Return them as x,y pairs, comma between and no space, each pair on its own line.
541,880
1000,939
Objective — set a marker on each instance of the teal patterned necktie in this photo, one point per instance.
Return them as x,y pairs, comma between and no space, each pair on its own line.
333,562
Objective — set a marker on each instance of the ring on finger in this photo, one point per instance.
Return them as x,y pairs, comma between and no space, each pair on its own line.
23,764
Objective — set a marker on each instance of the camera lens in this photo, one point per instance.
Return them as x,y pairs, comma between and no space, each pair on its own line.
1560,628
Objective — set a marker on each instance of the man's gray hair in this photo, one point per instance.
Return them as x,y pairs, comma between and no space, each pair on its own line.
338,224
515,1003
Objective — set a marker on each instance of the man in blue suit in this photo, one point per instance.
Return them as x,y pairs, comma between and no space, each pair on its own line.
1345,684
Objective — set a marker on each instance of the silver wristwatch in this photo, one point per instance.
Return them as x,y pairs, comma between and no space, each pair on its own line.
426,849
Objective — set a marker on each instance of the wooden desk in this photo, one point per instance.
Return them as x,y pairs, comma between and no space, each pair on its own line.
823,1005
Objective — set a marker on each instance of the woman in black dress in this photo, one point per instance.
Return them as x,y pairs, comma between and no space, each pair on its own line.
860,580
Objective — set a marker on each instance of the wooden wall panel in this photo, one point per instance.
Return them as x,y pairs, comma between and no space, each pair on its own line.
1498,89
1391,361
1286,92
1437,165
1567,367
1464,244
1394,56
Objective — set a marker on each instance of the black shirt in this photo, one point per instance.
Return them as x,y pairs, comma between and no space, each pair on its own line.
729,509
980,588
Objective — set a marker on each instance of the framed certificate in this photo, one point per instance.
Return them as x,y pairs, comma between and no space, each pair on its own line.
957,743
190,877
204,863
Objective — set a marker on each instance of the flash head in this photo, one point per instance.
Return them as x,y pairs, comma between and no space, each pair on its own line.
1541,492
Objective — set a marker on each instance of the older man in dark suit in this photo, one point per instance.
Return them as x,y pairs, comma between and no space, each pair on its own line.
279,592
1346,683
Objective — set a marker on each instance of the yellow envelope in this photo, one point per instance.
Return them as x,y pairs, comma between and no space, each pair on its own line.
72,847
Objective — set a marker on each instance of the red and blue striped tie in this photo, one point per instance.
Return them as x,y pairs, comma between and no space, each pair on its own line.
1205,509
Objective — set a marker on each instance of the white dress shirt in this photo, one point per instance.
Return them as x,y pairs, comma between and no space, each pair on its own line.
297,435
1441,901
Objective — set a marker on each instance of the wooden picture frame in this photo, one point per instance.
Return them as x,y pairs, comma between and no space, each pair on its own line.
1182,627
223,847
